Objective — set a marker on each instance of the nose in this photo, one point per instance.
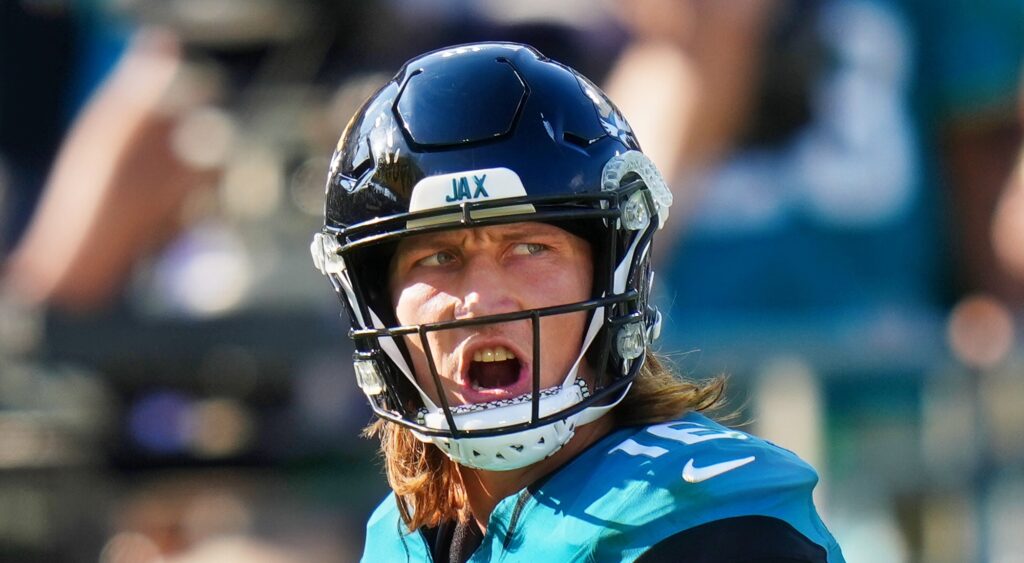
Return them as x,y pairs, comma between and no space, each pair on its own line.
486,289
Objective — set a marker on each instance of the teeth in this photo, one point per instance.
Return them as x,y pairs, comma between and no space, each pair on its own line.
496,354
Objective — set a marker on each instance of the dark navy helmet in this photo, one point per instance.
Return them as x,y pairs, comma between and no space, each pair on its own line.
485,134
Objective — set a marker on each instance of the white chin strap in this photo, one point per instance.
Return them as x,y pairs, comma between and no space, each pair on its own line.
518,449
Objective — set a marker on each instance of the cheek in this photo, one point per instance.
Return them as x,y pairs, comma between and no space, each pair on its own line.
562,335
417,303
558,286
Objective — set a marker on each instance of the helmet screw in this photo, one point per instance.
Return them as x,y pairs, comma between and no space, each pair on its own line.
630,341
635,216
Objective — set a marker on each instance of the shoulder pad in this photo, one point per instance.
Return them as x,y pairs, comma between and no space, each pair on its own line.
694,450
388,540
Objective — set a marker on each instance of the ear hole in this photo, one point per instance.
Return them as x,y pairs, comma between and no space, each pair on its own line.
574,139
362,168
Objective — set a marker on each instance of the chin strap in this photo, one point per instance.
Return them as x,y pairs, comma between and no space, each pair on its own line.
590,414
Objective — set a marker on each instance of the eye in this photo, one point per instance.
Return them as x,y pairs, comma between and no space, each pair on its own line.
528,249
437,259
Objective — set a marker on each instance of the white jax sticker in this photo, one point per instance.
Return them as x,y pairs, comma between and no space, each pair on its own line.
448,190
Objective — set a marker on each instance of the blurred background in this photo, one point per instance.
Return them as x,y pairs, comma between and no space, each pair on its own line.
847,243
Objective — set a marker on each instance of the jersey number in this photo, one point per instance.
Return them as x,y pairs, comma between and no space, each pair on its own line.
688,433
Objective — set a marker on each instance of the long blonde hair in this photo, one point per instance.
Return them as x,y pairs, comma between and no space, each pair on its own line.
426,482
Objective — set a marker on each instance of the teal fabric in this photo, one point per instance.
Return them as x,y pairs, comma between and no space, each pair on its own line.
627,493
970,54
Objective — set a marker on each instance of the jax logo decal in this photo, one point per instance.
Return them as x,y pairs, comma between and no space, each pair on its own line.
466,186
460,188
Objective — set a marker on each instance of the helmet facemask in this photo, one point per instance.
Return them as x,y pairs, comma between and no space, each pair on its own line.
619,223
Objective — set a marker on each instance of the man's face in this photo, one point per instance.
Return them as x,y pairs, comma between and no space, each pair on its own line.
470,273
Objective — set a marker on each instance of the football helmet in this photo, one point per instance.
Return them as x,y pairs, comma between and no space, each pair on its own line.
553,149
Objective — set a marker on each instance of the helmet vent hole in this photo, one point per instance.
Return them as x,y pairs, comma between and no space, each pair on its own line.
499,456
476,453
574,139
541,441
517,448
362,168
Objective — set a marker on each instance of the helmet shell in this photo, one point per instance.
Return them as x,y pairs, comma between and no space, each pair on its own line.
472,107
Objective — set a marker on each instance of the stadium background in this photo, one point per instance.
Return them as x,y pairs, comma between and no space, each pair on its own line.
175,381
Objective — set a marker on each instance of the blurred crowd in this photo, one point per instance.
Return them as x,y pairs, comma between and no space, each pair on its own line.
175,383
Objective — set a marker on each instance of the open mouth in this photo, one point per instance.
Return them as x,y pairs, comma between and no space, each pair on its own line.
493,368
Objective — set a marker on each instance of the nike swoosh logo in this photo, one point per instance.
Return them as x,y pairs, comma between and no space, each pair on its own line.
693,474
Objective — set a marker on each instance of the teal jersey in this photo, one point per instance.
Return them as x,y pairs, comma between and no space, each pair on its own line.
627,492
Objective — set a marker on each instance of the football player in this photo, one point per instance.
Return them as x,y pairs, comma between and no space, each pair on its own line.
489,220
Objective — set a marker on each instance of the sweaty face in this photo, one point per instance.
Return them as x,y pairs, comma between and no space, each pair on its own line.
470,273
